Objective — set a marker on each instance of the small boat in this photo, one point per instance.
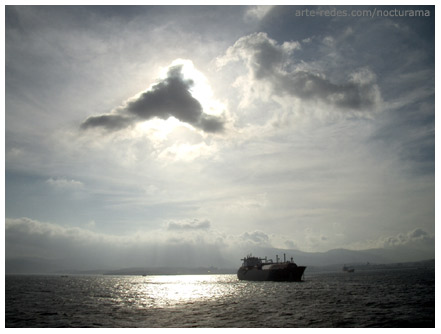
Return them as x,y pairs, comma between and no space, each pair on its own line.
348,269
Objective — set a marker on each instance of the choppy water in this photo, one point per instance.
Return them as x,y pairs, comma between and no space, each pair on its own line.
376,298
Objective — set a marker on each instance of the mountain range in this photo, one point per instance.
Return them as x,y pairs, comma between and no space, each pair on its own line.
330,259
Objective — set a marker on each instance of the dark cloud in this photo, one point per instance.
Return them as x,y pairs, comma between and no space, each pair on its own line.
189,225
307,85
267,60
170,97
210,123
108,121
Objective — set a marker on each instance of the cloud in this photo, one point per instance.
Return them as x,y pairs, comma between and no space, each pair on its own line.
74,247
108,121
62,183
415,236
82,248
256,237
273,63
190,243
257,12
171,97
289,244
27,237
189,225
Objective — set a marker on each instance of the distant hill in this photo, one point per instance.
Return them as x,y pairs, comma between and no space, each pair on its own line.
333,258
345,256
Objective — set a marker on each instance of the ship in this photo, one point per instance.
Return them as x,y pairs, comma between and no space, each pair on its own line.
348,269
260,269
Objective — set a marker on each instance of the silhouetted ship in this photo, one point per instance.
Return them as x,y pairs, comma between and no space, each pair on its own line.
348,269
258,269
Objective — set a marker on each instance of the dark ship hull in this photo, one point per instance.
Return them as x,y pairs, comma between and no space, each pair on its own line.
286,271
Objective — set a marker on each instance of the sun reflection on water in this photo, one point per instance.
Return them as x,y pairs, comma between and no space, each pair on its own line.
169,291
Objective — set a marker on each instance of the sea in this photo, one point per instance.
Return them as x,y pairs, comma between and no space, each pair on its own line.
379,298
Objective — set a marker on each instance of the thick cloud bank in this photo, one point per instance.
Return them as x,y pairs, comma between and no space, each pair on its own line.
189,243
170,97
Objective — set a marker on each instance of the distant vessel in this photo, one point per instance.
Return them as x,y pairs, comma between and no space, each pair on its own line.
258,269
348,269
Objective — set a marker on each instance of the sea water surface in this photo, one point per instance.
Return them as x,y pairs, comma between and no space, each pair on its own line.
372,298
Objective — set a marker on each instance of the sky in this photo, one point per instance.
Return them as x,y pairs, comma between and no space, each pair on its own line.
188,135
